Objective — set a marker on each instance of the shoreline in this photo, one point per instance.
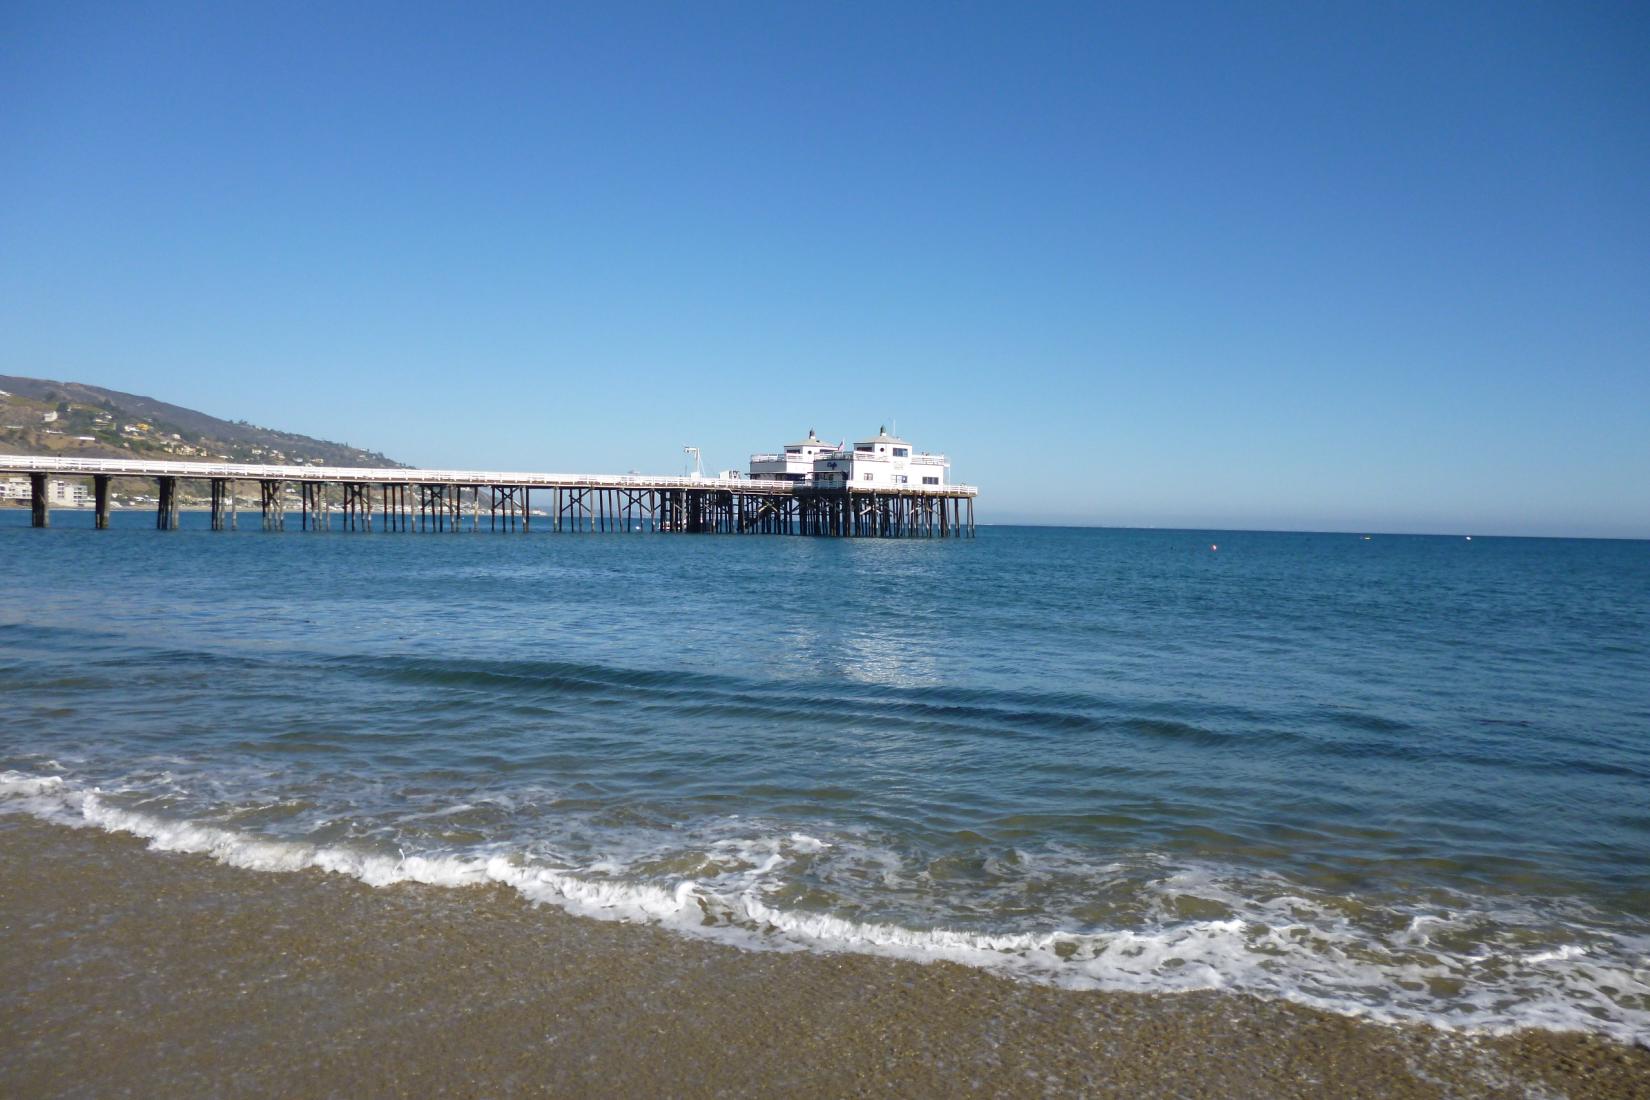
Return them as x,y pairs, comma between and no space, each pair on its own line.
129,969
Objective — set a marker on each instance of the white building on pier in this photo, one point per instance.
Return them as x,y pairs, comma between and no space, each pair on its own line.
881,462
794,463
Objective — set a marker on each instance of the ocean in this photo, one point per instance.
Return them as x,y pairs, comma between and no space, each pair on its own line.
1404,778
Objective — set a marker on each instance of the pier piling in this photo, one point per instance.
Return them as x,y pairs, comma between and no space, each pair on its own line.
273,504
220,506
167,504
100,497
40,508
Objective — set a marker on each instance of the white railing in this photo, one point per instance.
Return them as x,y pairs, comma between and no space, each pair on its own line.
123,467
786,457
922,458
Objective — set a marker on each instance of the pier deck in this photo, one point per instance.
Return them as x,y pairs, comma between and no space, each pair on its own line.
401,499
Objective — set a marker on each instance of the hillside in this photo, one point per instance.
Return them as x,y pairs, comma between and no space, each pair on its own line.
40,416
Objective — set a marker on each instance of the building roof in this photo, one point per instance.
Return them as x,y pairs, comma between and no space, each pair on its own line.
882,436
812,441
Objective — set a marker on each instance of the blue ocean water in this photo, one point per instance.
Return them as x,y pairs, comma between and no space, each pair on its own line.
1403,777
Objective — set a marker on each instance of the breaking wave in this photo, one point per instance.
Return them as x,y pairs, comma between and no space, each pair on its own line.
1166,926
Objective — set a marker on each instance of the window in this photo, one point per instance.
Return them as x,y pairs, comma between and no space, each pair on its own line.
901,479
930,481
902,452
868,477
863,448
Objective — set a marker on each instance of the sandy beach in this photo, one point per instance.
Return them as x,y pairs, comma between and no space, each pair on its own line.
128,972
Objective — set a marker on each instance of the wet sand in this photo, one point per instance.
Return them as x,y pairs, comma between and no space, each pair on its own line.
126,972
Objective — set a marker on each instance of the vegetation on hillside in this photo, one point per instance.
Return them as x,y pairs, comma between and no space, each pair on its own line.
40,416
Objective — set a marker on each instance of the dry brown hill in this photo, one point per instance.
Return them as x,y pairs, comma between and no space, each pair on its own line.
41,416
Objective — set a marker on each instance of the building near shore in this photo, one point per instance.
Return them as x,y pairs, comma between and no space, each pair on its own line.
59,493
69,494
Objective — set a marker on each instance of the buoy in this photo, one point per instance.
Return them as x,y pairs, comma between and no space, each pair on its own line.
1212,546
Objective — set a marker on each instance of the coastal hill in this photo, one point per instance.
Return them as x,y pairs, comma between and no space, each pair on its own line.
71,419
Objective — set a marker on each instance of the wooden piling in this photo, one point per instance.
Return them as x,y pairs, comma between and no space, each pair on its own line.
219,513
40,514
167,511
272,505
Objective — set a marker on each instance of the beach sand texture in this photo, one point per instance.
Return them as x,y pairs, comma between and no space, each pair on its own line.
140,973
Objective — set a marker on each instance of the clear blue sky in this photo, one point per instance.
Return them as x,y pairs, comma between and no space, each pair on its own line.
1321,266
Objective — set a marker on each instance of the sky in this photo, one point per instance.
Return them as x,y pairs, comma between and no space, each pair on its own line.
1319,266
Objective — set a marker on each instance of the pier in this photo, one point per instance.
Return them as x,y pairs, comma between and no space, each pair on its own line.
346,498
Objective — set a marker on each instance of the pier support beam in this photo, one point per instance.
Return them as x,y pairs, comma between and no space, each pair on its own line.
273,504
437,506
395,506
100,496
395,509
166,512
508,502
357,506
40,510
317,515
856,513
220,512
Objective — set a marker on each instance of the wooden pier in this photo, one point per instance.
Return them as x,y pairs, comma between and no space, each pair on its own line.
406,500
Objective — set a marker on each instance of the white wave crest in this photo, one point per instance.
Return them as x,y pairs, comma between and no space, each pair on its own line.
1283,946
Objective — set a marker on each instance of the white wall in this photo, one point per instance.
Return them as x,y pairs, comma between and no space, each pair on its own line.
788,466
883,471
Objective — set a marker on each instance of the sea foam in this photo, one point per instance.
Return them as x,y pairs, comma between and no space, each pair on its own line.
1276,943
